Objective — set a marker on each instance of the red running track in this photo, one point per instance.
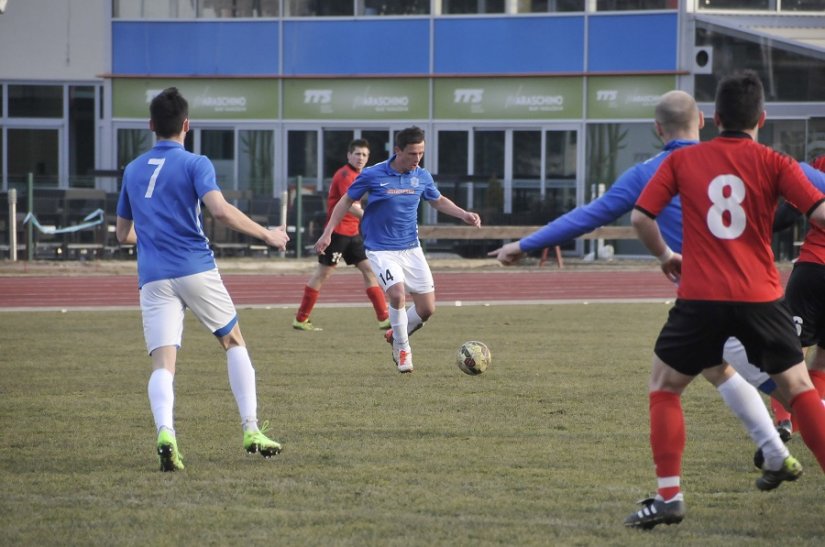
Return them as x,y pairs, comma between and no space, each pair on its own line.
70,291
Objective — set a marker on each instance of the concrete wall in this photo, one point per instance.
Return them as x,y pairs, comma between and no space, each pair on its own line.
54,39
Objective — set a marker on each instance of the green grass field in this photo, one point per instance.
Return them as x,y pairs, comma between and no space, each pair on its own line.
548,447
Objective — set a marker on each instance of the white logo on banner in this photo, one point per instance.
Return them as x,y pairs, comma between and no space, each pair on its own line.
317,96
609,95
382,103
468,96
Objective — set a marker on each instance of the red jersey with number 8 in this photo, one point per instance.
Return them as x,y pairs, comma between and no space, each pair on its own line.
729,189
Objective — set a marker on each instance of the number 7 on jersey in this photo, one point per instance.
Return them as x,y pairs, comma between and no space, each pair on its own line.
159,162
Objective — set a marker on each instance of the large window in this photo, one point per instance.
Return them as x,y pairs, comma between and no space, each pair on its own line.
762,5
488,170
51,132
632,5
336,145
154,9
396,7
33,151
786,136
131,143
219,146
238,8
307,8
612,148
560,155
81,136
211,9
786,75
256,160
189,9
35,101
816,138
302,160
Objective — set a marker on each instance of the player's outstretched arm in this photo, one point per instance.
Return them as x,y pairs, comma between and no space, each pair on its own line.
508,254
229,215
445,205
341,208
617,201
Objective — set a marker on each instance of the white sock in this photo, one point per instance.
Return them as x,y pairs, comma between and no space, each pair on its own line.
161,391
743,399
399,322
242,382
735,355
414,321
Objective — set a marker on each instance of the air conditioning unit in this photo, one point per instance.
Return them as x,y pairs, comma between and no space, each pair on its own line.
703,60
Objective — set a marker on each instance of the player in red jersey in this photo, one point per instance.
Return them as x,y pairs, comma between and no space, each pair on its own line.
728,283
807,303
346,243
805,295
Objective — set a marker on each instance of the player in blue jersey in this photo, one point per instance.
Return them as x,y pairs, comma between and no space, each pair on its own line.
159,210
677,122
390,229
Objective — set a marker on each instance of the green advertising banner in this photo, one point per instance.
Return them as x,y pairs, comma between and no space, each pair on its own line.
366,99
209,99
611,97
508,98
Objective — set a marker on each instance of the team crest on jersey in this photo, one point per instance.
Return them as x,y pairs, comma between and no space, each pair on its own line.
414,182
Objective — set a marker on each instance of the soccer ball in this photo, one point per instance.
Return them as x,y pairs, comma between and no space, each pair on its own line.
473,357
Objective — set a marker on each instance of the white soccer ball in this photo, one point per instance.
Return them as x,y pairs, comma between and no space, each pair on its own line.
473,357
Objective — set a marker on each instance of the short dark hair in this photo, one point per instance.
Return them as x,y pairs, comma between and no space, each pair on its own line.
740,100
168,110
410,135
358,143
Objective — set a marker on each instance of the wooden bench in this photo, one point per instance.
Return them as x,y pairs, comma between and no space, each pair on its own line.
457,231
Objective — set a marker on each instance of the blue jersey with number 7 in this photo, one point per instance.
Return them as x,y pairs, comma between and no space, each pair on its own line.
161,193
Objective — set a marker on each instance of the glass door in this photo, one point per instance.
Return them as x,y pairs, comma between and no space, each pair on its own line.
336,144
219,146
510,176
34,150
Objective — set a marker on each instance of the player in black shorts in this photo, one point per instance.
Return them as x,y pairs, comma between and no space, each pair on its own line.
346,244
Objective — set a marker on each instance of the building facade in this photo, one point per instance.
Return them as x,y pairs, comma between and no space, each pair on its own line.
530,107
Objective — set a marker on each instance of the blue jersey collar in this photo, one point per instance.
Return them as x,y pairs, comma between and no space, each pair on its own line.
168,144
390,170
678,143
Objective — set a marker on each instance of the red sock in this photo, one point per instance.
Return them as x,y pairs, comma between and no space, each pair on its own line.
818,378
379,303
307,303
810,416
667,439
780,413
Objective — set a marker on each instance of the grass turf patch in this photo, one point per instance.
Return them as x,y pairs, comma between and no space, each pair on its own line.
549,446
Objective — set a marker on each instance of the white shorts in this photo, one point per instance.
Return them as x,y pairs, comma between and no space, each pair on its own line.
408,266
163,302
